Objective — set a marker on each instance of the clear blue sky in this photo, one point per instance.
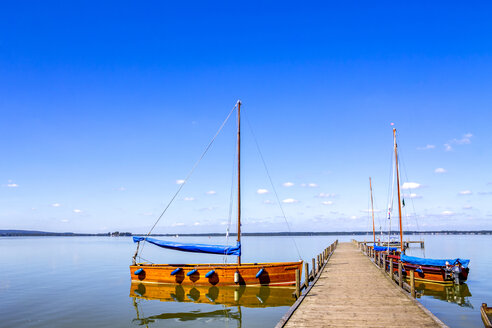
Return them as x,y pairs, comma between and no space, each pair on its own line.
103,106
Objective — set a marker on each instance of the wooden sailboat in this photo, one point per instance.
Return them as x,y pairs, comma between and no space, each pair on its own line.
447,271
273,274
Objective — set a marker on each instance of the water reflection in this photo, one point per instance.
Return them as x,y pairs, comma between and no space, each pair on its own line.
229,300
458,294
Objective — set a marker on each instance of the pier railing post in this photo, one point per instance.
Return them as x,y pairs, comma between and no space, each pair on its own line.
391,269
400,274
306,274
384,262
412,283
314,267
298,283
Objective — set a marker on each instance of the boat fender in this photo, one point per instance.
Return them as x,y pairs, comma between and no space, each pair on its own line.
139,271
209,274
191,272
236,277
259,273
176,271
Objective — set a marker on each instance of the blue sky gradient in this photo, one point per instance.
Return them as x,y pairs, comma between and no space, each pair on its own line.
105,106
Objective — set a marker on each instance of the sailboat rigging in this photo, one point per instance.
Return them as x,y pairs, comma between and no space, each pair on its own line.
274,274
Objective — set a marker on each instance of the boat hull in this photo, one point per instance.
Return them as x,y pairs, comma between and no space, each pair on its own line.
272,274
486,313
432,274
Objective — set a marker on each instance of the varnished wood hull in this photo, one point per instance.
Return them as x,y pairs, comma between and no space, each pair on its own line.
248,296
431,274
273,274
486,313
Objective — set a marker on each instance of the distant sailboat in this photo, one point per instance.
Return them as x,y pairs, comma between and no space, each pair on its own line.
273,274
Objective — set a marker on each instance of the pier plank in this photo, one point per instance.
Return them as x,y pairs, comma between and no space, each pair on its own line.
352,292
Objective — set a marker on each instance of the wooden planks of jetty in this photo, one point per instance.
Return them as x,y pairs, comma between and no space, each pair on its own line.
352,292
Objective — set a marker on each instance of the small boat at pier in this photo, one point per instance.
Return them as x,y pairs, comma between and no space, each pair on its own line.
444,271
214,274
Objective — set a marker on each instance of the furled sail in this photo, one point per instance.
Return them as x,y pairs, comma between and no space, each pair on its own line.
193,248
432,262
383,248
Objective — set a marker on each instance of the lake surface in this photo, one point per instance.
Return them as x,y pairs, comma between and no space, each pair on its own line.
85,281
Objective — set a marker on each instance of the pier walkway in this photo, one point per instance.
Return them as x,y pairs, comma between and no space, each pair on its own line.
352,292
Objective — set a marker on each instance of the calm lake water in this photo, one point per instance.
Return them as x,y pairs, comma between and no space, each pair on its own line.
84,281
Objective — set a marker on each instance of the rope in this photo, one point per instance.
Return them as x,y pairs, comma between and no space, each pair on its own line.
188,176
273,187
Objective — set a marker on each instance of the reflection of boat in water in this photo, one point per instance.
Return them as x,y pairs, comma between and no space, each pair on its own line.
187,316
247,296
450,293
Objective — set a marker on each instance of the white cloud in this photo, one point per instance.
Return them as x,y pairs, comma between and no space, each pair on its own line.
465,192
327,202
440,170
177,224
467,207
411,185
412,195
196,223
56,205
262,191
287,184
121,188
290,201
464,140
189,199
267,202
148,214
325,195
426,147
64,220
211,192
353,217
77,211
310,185
447,213
180,182
12,185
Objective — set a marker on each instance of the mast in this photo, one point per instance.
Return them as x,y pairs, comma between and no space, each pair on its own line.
372,211
239,176
402,250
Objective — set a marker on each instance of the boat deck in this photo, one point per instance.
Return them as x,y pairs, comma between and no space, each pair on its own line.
353,292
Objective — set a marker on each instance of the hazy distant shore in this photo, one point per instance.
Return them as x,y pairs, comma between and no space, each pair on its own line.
20,233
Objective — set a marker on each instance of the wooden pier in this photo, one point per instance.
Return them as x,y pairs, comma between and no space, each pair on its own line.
351,291
406,244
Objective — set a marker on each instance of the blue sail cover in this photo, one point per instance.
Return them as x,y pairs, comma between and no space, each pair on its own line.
432,262
383,248
193,248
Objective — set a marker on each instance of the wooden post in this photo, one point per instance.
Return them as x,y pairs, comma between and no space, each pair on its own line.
298,283
384,262
412,283
306,274
400,274
376,257
391,268
314,267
